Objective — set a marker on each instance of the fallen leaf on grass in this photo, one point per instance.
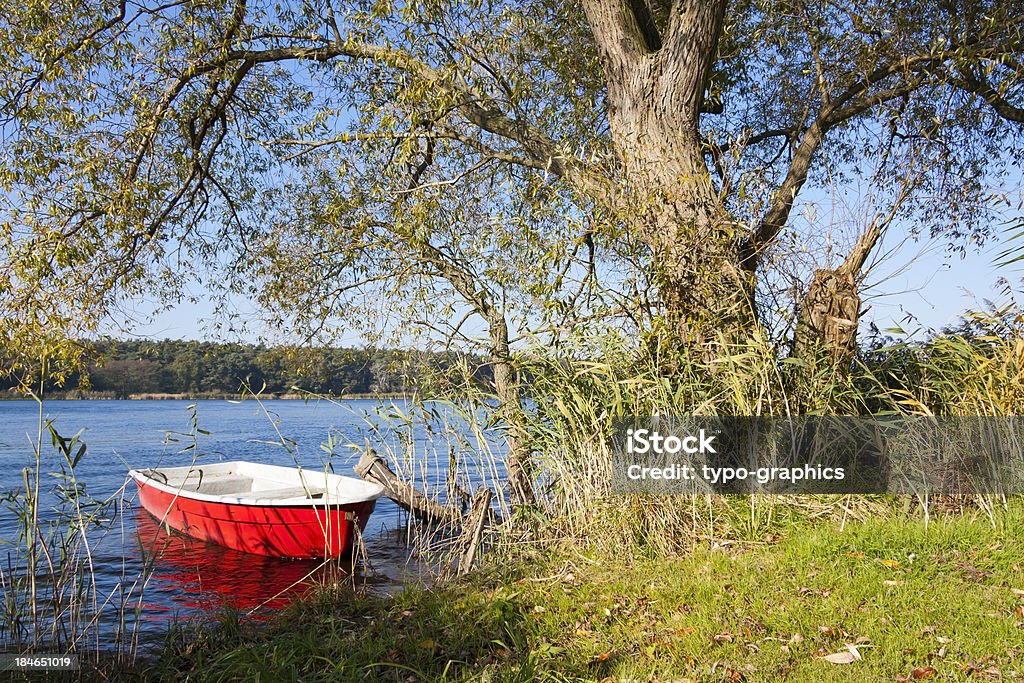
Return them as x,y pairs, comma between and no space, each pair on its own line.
891,564
602,657
849,657
724,638
977,668
855,556
1017,591
841,658
425,644
923,672
890,582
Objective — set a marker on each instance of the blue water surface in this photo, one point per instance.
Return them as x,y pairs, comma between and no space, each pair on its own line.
150,577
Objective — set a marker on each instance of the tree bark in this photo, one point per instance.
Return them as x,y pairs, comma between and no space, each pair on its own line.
655,92
829,314
830,311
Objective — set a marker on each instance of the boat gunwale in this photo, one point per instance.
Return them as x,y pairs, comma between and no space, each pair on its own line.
326,502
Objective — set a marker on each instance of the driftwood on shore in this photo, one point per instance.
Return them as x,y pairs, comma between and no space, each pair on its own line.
374,468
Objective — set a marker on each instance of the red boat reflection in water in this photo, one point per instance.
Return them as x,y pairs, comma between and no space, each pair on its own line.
192,576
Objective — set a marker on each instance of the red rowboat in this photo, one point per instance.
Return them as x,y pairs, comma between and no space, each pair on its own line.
262,509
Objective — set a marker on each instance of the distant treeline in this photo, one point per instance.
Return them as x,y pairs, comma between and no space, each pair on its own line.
124,368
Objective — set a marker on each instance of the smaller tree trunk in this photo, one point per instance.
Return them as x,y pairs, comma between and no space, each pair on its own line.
829,314
517,462
510,408
830,311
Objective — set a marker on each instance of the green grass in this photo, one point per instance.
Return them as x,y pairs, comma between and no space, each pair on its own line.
936,598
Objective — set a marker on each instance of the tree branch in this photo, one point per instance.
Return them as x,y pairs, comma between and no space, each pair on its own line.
842,108
645,22
691,48
69,49
477,109
617,32
980,86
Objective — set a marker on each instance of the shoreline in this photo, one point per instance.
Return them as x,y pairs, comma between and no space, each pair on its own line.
202,396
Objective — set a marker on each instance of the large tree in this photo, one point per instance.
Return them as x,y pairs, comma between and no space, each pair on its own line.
489,159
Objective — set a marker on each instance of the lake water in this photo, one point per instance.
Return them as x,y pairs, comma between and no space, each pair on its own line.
189,578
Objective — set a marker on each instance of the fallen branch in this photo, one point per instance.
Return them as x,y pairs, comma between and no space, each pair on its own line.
473,529
373,468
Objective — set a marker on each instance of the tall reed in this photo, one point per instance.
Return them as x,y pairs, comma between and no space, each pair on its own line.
979,371
51,598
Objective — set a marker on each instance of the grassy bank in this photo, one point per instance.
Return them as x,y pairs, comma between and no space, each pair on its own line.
905,599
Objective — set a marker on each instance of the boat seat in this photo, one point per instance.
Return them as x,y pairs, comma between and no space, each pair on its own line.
292,492
222,485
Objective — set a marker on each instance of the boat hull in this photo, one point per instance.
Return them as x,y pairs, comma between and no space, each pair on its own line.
316,530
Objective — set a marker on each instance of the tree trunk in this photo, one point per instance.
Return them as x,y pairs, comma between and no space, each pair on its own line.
828,318
674,207
830,311
656,86
706,293
506,388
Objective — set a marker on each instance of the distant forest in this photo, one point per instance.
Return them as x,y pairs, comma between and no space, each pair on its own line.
124,368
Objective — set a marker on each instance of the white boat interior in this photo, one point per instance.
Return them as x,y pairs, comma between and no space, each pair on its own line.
248,483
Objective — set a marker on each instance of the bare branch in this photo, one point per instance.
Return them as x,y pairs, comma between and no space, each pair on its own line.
784,198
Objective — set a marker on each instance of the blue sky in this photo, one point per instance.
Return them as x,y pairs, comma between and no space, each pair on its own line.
924,280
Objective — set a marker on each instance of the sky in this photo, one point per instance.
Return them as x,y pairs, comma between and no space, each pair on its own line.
922,286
